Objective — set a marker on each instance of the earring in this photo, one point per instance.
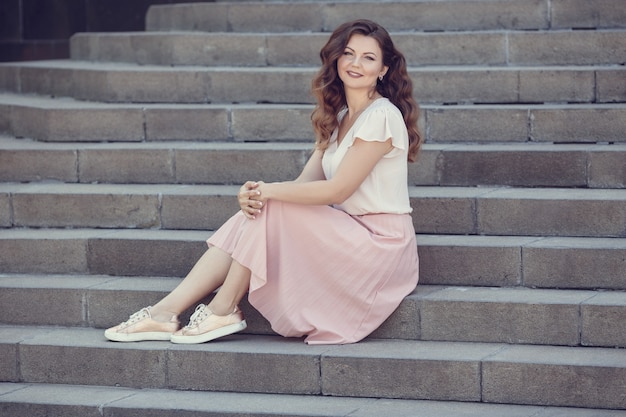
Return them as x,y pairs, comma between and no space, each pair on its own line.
380,77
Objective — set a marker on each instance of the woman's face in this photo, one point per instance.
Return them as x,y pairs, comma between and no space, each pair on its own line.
361,63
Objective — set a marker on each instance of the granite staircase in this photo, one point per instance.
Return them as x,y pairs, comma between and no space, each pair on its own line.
115,166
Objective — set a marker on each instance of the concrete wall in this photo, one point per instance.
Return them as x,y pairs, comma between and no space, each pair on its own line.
40,29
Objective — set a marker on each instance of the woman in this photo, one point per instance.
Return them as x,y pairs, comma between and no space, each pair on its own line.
331,254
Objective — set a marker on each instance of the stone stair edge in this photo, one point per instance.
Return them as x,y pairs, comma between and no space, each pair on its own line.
132,84
46,102
230,190
569,317
556,165
115,66
558,48
18,397
12,143
327,15
495,211
423,293
473,260
482,371
198,236
56,119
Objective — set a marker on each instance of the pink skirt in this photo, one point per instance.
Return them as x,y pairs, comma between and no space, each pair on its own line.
320,272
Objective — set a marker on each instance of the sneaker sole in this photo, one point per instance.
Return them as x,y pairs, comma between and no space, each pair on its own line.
208,336
137,337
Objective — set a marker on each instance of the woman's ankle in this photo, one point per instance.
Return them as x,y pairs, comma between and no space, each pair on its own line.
163,316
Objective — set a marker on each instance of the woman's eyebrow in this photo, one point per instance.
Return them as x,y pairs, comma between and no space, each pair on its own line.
365,53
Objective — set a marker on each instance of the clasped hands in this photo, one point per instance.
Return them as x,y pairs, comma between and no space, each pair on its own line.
251,199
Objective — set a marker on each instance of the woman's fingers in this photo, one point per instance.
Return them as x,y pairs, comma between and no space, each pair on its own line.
248,203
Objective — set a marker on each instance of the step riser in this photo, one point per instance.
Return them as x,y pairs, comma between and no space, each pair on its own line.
587,166
41,399
419,49
433,86
432,314
432,15
482,372
473,261
480,212
441,124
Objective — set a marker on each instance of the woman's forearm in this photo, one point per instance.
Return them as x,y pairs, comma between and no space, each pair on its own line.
321,192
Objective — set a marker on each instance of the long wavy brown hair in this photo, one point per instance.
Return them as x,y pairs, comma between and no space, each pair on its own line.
328,89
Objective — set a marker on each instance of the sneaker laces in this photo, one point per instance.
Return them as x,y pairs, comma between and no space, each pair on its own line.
135,317
198,316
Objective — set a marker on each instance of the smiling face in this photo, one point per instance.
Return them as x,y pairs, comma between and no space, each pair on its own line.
361,63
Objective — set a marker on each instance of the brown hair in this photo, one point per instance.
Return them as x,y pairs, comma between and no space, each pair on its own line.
327,87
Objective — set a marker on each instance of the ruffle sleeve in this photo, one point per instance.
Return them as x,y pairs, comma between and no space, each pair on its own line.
381,123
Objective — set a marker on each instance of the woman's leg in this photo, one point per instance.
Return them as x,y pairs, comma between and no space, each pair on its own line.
221,317
208,274
233,289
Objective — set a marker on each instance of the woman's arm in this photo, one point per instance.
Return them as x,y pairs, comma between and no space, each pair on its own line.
313,170
356,165
249,195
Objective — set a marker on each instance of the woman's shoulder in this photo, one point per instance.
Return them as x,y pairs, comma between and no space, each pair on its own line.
385,108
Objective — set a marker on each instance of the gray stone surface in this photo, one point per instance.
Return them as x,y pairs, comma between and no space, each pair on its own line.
508,315
254,161
152,254
552,212
199,211
33,250
575,263
127,165
77,205
246,364
5,210
603,322
606,168
38,165
444,210
577,377
470,124
431,15
289,123
559,124
567,48
583,14
516,165
557,86
487,261
199,123
610,86
410,370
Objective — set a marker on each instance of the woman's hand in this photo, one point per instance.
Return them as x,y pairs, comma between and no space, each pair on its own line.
249,198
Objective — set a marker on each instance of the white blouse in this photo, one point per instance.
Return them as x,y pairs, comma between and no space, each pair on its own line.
385,189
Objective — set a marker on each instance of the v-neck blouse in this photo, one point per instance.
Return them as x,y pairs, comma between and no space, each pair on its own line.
385,189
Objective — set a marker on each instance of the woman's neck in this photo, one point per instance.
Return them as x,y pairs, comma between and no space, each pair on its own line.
357,102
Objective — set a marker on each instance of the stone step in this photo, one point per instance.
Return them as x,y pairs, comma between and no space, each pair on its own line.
436,210
431,313
547,262
63,120
18,399
131,83
480,48
519,165
434,15
441,371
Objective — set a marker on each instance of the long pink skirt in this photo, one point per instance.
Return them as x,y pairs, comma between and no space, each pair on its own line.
320,272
